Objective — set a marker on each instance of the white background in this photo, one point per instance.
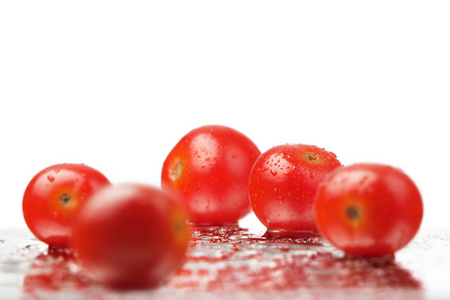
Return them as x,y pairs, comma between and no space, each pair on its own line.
115,84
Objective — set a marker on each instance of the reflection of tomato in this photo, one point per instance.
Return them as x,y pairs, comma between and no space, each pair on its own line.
54,195
131,236
209,169
53,270
368,209
283,183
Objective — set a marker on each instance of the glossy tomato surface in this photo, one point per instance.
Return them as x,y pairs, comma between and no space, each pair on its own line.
131,236
209,169
283,183
368,209
54,195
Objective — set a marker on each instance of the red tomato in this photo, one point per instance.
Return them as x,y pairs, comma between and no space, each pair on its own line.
368,209
131,236
209,169
283,183
54,195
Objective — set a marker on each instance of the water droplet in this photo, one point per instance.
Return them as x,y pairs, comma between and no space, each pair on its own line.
273,172
51,178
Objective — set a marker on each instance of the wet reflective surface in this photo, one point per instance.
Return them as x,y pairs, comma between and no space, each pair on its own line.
233,263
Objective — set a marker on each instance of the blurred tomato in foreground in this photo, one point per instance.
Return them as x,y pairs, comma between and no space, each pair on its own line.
282,186
368,209
131,236
209,168
53,197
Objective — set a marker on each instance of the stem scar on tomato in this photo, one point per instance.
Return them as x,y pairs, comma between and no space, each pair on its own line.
65,199
353,213
176,169
310,156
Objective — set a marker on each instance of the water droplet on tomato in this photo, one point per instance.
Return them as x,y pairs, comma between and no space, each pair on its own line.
50,178
273,172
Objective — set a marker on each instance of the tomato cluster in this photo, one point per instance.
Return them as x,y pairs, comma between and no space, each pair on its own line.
294,190
134,235
127,236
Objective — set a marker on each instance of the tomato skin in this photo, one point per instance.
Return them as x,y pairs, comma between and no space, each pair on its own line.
209,168
54,195
368,209
283,183
131,236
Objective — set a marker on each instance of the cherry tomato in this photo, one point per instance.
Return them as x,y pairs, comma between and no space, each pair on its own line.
283,183
209,169
131,236
54,195
368,209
